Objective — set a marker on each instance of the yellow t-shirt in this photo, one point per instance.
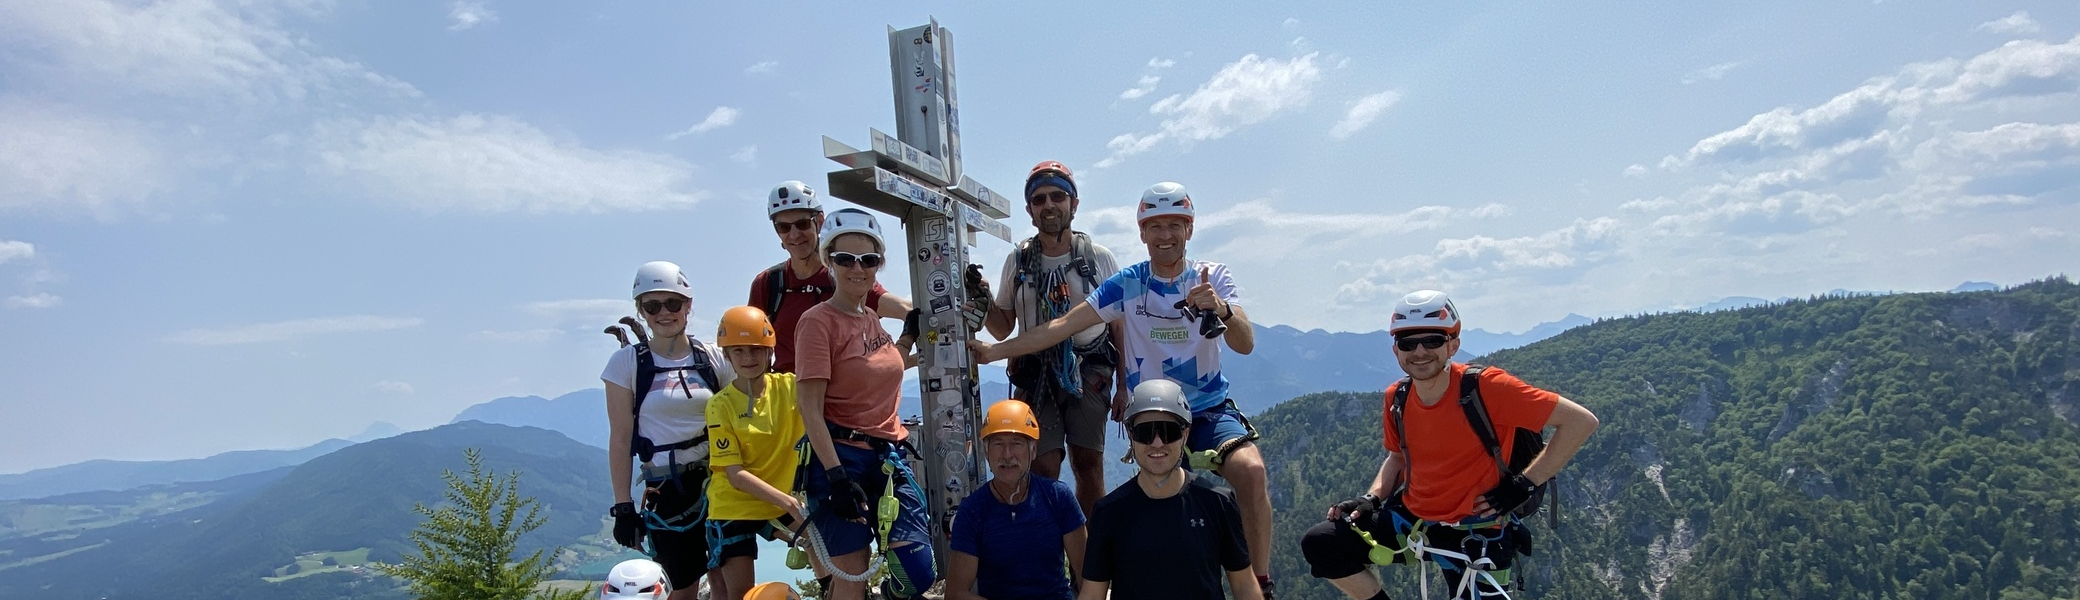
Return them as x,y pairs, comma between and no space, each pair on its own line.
762,436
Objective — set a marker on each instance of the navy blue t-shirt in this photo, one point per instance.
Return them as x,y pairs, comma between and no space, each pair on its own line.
1018,548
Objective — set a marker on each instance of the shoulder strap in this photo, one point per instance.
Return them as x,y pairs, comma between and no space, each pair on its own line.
1080,251
1028,260
1394,412
1477,415
704,365
776,284
646,370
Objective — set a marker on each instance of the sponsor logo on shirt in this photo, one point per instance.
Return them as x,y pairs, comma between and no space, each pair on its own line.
1169,335
1198,522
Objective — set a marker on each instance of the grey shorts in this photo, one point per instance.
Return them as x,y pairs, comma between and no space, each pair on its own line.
1079,421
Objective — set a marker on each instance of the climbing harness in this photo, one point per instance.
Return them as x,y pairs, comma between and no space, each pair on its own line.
1416,548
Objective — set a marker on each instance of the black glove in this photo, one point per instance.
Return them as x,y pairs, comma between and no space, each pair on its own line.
910,328
847,500
978,287
628,525
1355,507
976,313
1509,494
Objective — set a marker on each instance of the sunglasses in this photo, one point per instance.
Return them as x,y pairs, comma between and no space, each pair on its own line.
651,307
805,224
1146,432
1408,344
1041,199
865,261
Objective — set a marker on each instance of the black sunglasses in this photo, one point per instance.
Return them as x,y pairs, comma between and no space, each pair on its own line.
782,227
652,307
865,261
1039,199
1146,432
1408,344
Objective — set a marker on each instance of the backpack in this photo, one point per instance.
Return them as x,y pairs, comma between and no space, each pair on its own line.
1528,443
776,286
646,372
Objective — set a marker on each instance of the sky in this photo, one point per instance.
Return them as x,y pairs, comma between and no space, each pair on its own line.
246,224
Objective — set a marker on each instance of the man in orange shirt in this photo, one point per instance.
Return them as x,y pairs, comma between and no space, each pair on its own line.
1441,476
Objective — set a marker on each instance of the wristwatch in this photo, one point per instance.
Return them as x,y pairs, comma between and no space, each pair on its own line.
1231,311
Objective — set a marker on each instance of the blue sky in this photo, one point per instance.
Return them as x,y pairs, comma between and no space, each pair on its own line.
229,225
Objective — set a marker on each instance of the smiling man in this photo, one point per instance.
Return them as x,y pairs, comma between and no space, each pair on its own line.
1166,534
1447,430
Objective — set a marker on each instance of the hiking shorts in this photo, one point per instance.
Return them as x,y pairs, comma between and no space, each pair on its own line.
729,539
1076,420
1333,549
1216,426
682,504
841,537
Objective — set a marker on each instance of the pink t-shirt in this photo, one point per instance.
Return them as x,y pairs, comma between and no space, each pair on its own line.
861,363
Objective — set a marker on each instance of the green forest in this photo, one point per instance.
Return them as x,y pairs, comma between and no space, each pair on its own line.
1898,446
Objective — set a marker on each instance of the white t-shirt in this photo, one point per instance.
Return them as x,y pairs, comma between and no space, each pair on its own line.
676,409
1053,269
1160,342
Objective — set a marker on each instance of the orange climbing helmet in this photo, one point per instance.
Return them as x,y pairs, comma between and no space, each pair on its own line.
1011,416
745,326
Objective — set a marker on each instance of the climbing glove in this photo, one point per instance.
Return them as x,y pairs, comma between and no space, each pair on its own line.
1510,494
1355,507
848,501
628,525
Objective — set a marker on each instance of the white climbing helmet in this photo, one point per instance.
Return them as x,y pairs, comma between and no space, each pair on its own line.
637,579
850,220
661,276
1425,309
1159,395
792,195
1166,198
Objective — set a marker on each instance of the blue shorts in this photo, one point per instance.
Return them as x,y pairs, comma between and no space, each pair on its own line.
842,537
1215,426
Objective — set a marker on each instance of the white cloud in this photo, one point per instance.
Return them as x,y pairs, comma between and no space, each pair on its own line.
1635,171
185,48
1711,73
601,311
1141,88
1452,262
14,250
1161,63
469,13
1363,112
745,155
36,300
1290,23
393,387
722,116
55,156
286,330
492,163
1243,93
762,67
2018,23
523,336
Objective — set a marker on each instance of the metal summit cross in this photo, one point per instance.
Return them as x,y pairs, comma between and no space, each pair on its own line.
916,176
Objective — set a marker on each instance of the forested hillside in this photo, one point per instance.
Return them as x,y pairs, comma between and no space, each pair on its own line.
1902,446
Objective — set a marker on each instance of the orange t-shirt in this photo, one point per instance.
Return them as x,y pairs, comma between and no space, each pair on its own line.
860,361
1448,468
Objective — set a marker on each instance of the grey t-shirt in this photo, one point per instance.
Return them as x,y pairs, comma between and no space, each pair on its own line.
1054,269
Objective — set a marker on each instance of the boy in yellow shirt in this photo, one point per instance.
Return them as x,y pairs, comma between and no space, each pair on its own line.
753,432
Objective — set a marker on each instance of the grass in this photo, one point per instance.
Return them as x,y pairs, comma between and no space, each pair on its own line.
313,563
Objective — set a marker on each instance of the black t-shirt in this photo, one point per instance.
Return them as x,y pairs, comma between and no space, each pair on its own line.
1178,547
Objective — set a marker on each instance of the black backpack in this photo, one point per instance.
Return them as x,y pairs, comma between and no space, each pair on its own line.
776,287
1527,446
646,372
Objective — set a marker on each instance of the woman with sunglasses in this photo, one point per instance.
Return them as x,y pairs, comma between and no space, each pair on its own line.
788,289
657,401
849,380
1166,533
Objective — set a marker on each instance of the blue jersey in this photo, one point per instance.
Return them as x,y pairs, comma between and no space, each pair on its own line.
1019,547
1160,341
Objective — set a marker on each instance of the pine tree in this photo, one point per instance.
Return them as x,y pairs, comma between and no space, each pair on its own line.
466,545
